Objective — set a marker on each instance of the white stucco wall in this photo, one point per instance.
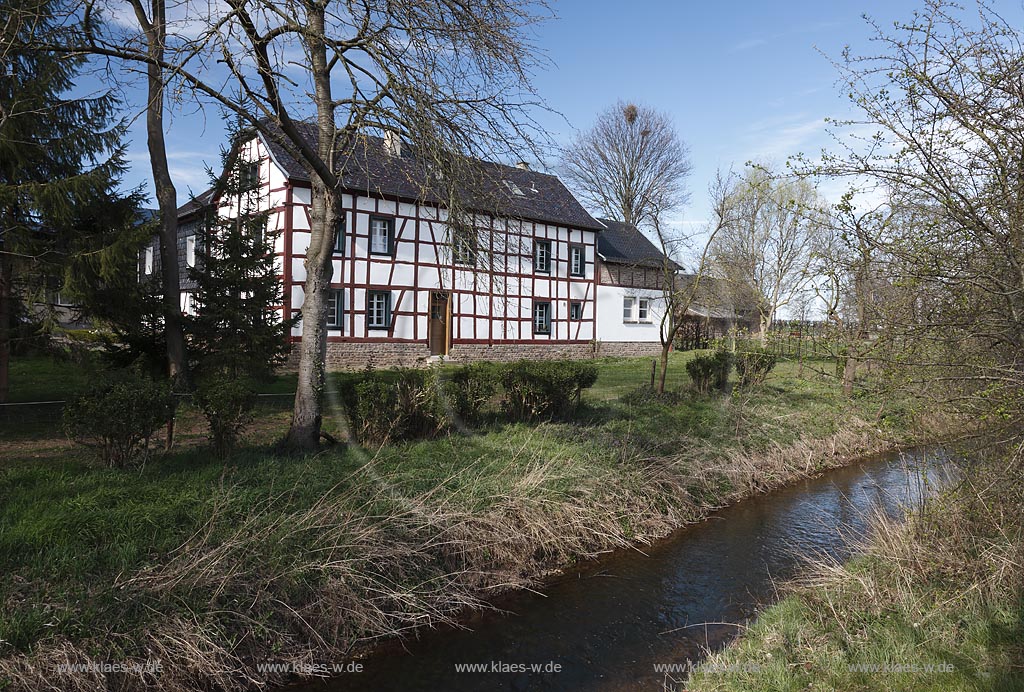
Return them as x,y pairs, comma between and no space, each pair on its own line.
611,325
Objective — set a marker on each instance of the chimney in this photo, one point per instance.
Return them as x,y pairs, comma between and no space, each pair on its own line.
523,166
392,143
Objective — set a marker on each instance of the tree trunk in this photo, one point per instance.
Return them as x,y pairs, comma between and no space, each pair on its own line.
167,197
665,348
849,372
6,295
307,414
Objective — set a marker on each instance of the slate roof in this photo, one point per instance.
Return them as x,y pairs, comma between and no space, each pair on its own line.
495,188
623,243
197,203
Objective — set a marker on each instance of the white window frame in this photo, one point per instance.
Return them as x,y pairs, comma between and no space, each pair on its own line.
577,260
464,247
542,326
376,223
542,248
148,261
643,310
190,250
372,308
576,304
188,303
335,313
628,309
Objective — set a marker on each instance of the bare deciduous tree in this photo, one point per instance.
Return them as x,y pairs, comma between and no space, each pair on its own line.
153,39
943,103
630,166
846,275
680,292
763,253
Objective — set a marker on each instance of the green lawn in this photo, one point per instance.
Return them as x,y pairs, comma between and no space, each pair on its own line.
264,553
42,378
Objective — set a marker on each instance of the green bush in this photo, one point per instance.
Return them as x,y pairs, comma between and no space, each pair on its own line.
396,405
710,371
118,417
753,366
227,404
466,392
545,389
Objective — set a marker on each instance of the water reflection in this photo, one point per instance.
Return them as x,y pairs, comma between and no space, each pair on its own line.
607,626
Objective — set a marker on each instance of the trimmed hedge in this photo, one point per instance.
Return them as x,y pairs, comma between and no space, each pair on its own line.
118,417
711,371
753,366
467,392
227,404
408,404
545,389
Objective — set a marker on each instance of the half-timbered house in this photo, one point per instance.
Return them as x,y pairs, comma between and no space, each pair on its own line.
406,287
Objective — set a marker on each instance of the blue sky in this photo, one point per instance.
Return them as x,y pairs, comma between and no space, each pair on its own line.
741,80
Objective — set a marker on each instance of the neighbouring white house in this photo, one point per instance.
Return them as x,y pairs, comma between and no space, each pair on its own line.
538,277
631,301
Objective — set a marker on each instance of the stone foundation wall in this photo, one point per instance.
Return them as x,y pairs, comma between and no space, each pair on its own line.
468,353
358,356
628,349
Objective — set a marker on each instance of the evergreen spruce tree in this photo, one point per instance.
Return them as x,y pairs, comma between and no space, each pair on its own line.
235,332
56,152
235,329
101,277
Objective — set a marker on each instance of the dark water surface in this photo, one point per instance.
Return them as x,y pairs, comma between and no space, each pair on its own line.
608,624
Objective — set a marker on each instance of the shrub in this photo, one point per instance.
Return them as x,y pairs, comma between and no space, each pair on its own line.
396,405
466,392
753,366
118,417
227,404
545,389
710,371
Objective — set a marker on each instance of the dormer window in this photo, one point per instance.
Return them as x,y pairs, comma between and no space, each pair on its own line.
513,188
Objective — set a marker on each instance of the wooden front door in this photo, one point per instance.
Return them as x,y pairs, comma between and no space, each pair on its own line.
438,328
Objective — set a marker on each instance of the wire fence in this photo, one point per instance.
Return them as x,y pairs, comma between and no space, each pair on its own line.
26,418
787,339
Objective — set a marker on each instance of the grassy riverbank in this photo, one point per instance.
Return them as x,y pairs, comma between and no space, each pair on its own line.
933,604
215,568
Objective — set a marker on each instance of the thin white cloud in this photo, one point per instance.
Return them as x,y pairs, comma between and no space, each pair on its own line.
783,138
747,45
758,41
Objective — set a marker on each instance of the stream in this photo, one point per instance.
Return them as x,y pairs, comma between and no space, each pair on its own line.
605,625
